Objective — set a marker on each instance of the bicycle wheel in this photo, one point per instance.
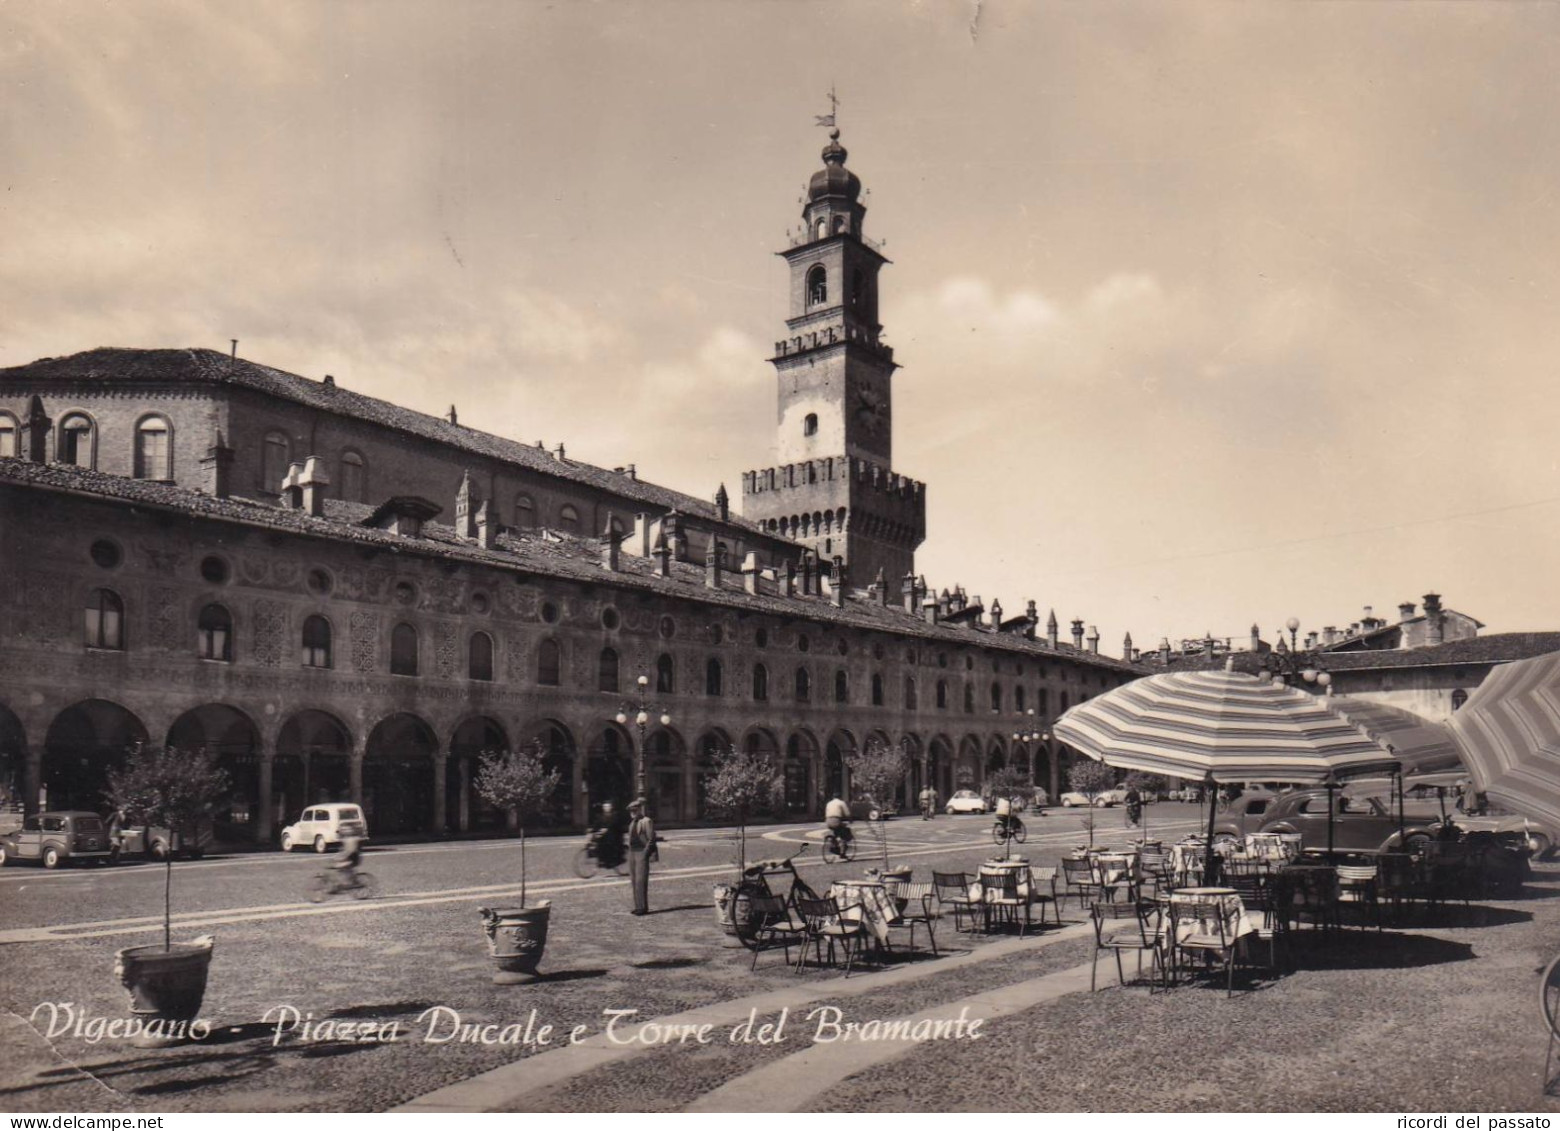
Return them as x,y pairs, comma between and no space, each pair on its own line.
999,834
584,864
848,850
744,920
1020,833
367,886
319,888
833,850
1549,996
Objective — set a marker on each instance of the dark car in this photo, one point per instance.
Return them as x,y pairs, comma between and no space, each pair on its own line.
1246,814
53,838
1359,824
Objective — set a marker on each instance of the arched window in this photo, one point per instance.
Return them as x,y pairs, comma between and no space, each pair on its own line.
354,478
568,518
969,698
942,695
525,512
840,223
996,697
858,287
214,634
9,436
105,620
403,650
1043,703
877,689
760,683
712,677
607,670
153,450
841,687
275,456
1018,699
548,663
810,424
910,701
479,657
316,642
1063,708
817,286
823,226
1459,697
665,675
78,441
803,685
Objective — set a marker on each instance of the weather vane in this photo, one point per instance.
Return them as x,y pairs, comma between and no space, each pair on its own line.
834,109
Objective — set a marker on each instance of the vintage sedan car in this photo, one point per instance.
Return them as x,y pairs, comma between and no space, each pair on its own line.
319,827
1359,824
1074,801
965,801
54,838
1111,798
158,842
1246,814
1507,827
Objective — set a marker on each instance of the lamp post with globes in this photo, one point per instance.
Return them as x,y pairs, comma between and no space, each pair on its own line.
1031,733
1293,666
639,713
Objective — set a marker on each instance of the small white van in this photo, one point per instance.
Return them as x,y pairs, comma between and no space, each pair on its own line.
320,826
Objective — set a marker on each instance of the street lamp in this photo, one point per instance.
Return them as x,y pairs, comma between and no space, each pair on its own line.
1031,733
640,713
1293,666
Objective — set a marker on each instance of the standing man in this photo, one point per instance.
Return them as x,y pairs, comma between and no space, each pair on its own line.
641,851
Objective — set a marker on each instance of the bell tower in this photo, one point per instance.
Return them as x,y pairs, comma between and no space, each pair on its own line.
833,489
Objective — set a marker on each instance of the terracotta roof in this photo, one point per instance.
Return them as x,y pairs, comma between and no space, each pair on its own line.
1496,648
550,554
205,366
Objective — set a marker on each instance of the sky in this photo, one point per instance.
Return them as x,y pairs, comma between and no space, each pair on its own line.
1210,314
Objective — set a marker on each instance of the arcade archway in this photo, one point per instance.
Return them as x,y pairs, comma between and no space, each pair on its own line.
232,737
398,787
84,742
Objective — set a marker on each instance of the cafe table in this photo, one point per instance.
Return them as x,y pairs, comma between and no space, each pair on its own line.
1112,868
1274,846
866,902
1237,923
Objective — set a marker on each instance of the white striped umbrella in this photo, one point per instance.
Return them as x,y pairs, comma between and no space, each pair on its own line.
1221,727
1421,746
1509,731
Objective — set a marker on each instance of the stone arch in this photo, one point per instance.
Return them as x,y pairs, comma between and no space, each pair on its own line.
712,741
836,753
916,778
939,761
666,779
609,769
464,808
14,786
559,752
800,767
398,769
313,763
996,755
761,740
83,743
233,738
968,768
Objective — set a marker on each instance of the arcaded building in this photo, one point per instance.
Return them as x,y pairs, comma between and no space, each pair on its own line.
343,598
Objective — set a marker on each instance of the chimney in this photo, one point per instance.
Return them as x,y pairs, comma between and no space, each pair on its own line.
292,489
723,504
328,381
610,540
487,529
807,573
837,582
712,566
1051,628
1032,617
1164,650
1311,641
37,426
788,588
313,484
663,557
880,589
217,467
465,512
750,573
995,616
907,592
1077,633
1256,639
404,515
559,454
1435,619
1329,634
234,355
1126,648
1094,640
930,611
452,418
1406,611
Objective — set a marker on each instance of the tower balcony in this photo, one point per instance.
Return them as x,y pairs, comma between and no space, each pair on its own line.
826,337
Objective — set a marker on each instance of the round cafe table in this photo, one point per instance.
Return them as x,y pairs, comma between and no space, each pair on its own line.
867,902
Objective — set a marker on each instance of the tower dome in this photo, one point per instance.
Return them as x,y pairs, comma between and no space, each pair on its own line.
834,179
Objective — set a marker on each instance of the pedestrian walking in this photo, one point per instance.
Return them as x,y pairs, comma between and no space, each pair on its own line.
641,852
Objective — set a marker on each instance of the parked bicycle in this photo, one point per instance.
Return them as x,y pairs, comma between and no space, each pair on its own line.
1009,828
754,902
342,881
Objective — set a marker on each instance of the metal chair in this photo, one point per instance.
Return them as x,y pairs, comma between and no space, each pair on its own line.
914,902
1042,893
999,895
953,890
1257,894
1200,927
824,923
773,926
1127,926
1078,878
1357,888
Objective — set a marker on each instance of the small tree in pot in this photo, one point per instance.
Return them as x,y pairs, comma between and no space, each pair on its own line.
876,773
519,783
177,790
1091,779
744,784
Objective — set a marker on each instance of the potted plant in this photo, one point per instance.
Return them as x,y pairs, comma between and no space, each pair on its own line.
173,789
744,784
1091,779
876,772
518,783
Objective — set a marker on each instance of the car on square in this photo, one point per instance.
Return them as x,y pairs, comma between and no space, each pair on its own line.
320,826
56,838
965,801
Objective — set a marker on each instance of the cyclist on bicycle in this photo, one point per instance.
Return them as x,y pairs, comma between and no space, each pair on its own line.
836,818
608,837
1004,813
351,854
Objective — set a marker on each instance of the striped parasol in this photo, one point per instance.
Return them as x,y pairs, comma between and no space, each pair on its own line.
1421,746
1509,731
1221,727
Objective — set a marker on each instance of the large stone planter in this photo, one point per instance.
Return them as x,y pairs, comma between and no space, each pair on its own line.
166,989
517,937
726,915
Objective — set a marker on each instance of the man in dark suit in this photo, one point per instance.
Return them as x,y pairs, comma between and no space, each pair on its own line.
641,851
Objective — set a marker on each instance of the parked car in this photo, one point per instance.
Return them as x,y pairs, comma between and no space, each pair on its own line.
966,801
1359,824
1507,827
320,826
1246,814
157,843
1111,797
1075,801
55,838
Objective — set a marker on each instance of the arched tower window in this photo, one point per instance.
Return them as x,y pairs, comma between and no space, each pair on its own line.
78,441
910,699
153,452
548,662
760,683
665,675
858,287
316,642
403,650
817,286
275,456
823,226
877,689
214,634
479,657
1459,697
841,687
568,518
996,697
105,620
810,424
841,223
803,686
9,436
607,670
354,478
712,677
942,695
525,512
